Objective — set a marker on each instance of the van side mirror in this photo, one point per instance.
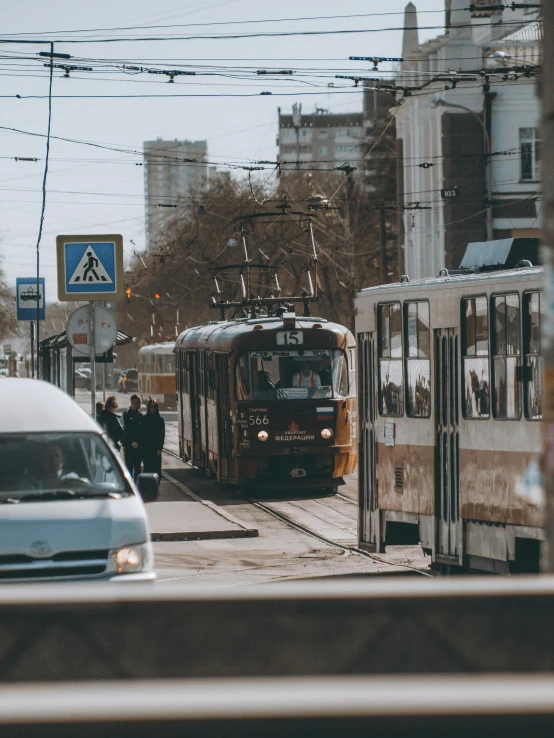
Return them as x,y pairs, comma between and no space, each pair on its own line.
148,487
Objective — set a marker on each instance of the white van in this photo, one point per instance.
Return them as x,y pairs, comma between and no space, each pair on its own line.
68,507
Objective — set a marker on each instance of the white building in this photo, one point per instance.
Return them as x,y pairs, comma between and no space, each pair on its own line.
169,179
476,138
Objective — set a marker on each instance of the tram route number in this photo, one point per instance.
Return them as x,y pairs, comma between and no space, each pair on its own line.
289,338
258,420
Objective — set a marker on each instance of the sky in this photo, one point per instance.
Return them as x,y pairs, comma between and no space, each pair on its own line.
97,190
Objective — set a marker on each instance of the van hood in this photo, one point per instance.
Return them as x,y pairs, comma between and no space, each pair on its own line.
58,526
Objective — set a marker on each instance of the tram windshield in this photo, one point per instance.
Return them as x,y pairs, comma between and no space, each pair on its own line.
292,375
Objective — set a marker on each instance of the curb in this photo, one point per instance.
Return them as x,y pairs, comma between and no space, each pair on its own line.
245,532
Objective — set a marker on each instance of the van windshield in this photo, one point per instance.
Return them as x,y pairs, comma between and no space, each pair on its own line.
292,374
68,464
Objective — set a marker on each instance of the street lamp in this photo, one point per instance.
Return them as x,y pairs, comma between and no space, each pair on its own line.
438,102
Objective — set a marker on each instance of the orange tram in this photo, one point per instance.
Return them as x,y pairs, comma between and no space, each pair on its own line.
269,402
156,373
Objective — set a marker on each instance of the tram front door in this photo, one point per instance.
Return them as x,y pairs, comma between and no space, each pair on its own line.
370,529
225,422
447,499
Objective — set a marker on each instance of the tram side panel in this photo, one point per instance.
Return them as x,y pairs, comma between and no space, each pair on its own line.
465,474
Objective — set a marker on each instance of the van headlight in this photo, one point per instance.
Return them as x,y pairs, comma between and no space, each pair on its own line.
131,559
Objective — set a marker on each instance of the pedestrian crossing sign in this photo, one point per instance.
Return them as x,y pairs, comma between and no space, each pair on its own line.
90,267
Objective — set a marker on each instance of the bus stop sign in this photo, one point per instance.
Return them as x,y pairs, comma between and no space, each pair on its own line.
27,298
90,267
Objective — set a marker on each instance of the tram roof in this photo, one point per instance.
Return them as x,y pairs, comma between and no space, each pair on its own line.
224,333
158,348
455,280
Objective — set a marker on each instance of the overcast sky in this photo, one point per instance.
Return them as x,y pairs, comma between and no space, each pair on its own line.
95,190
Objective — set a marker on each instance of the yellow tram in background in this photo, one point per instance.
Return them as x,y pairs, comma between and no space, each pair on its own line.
156,373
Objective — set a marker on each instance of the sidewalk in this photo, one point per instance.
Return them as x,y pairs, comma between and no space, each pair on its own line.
180,515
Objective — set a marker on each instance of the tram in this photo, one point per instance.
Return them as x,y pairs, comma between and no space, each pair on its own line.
450,403
269,402
156,373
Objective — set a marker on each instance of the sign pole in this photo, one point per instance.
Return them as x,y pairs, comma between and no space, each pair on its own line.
92,359
32,325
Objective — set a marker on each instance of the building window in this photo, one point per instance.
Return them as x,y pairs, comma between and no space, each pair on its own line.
323,150
418,359
303,132
322,134
506,352
475,358
533,364
391,392
530,153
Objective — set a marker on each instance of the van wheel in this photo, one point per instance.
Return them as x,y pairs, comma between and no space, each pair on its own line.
330,490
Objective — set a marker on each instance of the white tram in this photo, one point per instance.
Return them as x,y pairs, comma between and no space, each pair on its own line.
156,373
450,403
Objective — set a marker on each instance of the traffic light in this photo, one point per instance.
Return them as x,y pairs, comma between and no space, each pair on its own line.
157,296
128,292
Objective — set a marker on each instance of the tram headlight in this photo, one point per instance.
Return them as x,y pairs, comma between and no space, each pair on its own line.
326,434
263,436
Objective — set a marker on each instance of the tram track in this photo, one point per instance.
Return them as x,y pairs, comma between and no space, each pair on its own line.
318,536
329,541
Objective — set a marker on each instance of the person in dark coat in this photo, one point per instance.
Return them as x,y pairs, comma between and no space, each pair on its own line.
132,436
99,408
153,426
110,421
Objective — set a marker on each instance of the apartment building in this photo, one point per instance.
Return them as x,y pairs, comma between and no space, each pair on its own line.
173,170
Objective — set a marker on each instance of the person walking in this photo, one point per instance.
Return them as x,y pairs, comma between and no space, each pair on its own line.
153,437
132,436
110,421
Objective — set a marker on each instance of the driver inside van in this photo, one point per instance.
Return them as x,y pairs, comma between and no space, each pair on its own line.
48,468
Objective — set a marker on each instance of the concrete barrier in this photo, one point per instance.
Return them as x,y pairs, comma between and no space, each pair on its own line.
347,627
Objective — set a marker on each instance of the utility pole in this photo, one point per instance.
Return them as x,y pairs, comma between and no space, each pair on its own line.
383,266
547,337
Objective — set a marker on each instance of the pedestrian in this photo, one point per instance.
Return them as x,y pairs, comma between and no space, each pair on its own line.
132,436
99,408
110,421
153,436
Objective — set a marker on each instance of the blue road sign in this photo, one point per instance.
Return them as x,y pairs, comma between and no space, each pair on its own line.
90,267
27,298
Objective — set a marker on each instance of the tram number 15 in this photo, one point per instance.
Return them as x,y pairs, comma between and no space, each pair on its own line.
290,338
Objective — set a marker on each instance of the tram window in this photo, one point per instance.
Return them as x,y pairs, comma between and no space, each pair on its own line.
533,361
475,358
391,384
506,352
292,374
418,359
351,374
243,378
